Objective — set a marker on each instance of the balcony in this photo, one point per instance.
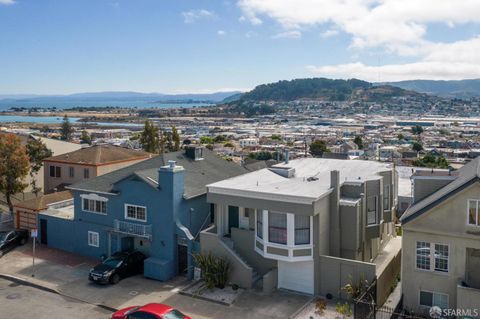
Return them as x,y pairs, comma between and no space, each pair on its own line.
134,229
467,297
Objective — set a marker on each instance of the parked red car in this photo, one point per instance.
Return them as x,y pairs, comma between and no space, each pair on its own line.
149,311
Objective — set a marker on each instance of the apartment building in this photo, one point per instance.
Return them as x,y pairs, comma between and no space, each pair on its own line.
309,225
441,242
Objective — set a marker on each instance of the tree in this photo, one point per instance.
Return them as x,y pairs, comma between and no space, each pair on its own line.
175,139
86,138
66,129
400,136
417,147
149,138
417,129
432,161
206,140
358,140
220,139
37,151
318,147
14,166
275,137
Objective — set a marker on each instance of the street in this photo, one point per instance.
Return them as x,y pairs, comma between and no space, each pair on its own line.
18,302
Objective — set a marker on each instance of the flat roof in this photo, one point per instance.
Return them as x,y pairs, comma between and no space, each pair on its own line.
311,178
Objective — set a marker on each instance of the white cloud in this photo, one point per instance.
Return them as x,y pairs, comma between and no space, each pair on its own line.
438,61
7,2
221,32
369,22
250,34
294,34
396,27
329,33
194,15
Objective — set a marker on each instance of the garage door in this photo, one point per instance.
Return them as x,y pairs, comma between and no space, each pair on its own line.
297,276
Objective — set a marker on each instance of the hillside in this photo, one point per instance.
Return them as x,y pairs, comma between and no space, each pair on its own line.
322,89
460,89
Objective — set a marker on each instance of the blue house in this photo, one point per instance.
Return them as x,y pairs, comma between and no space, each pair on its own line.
157,206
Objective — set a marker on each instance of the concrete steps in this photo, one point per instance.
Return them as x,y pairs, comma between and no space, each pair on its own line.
229,243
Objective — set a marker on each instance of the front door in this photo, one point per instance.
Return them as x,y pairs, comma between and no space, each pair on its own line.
232,217
182,259
43,232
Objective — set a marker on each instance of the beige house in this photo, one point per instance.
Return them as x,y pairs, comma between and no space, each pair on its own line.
441,243
309,225
69,168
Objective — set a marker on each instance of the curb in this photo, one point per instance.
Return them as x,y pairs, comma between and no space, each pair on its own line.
29,283
184,293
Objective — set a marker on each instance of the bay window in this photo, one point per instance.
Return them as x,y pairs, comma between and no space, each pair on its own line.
302,230
277,228
259,224
372,210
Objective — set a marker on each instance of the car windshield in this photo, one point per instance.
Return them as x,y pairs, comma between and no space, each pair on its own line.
174,314
3,235
113,262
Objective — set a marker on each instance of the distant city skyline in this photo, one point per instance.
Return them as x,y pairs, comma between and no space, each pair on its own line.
204,46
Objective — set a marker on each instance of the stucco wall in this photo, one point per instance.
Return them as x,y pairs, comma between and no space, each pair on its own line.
423,187
244,241
240,273
337,272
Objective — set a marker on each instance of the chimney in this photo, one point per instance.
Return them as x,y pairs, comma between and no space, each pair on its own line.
194,152
287,156
172,164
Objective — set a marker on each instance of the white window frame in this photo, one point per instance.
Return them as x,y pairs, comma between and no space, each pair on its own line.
134,218
91,241
71,172
95,198
433,258
477,214
433,298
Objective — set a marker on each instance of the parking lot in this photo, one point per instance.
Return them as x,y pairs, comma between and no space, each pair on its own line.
67,275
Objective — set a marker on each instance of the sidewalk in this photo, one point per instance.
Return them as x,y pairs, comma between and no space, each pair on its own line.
66,274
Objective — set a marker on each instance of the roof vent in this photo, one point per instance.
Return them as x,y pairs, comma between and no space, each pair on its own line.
312,179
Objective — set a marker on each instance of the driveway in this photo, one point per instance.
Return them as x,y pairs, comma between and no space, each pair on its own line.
67,273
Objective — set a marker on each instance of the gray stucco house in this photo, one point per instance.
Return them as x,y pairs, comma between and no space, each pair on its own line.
441,243
309,225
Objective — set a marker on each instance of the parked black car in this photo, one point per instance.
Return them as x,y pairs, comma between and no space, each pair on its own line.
119,265
12,239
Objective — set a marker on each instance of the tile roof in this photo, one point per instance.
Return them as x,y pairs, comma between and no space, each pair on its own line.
210,169
41,202
466,175
99,155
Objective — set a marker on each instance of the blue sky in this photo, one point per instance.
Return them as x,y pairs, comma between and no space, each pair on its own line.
67,46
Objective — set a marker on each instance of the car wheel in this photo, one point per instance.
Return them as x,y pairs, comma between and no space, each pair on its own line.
115,279
23,241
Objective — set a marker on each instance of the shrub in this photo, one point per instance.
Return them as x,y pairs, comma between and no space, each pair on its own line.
214,270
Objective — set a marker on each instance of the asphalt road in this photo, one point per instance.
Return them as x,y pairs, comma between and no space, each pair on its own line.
21,302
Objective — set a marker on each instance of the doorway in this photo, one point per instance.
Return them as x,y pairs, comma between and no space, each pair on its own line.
182,252
232,218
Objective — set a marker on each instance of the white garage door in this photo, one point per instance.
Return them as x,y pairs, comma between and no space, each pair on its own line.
297,276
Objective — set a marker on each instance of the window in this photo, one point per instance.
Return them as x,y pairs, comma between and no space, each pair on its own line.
277,228
55,171
430,299
86,173
302,230
135,212
372,210
93,239
441,258
71,172
423,255
432,254
473,217
259,224
386,197
94,206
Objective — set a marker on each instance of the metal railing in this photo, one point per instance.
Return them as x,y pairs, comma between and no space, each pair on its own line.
133,228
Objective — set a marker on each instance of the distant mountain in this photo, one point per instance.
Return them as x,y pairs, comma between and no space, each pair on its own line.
232,98
101,99
322,89
460,89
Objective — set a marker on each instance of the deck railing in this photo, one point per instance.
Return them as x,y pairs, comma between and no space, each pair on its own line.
133,228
